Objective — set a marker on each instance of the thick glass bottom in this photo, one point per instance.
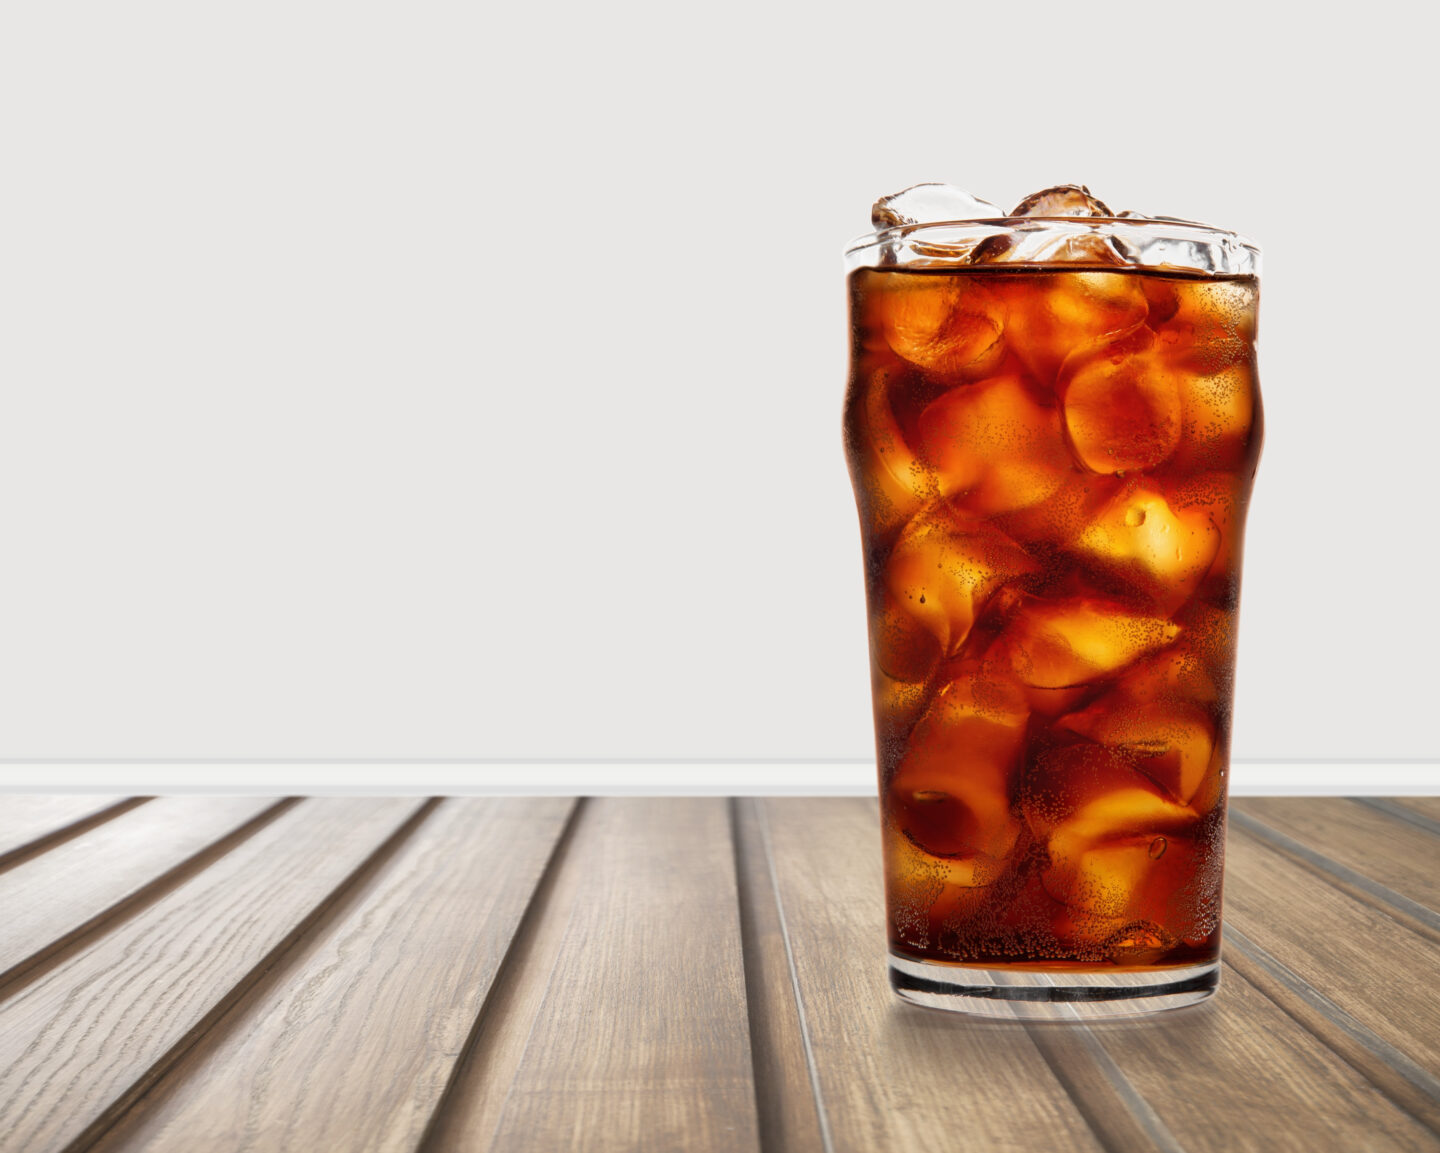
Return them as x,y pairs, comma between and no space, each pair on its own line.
1036,995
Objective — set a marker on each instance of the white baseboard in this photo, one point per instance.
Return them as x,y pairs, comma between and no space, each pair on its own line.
600,778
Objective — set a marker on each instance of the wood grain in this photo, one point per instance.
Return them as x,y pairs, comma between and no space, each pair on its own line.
81,1043
1398,1077
51,899
640,1040
350,1043
665,974
891,1075
1404,808
27,822
1396,854
1425,806
470,1112
1240,1058
786,1081
1368,963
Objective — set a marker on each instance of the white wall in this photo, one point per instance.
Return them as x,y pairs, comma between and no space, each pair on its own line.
459,380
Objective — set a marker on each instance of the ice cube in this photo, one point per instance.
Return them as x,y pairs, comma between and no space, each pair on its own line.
1058,520
891,482
1071,314
1122,404
1171,741
953,790
994,446
922,889
1220,424
931,203
1054,243
1211,326
1074,641
1138,540
943,569
1221,498
1118,848
1062,200
939,324
897,704
903,647
1178,673
1039,244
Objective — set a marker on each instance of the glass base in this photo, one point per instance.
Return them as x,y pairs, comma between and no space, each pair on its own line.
1058,995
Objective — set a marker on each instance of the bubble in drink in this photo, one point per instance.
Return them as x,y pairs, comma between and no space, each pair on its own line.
1053,446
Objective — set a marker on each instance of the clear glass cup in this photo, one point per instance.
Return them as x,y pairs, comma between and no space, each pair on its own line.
1053,426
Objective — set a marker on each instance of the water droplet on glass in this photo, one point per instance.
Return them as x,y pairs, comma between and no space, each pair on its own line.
1135,517
1157,848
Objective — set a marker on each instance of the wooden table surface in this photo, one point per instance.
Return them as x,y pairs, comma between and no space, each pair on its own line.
207,973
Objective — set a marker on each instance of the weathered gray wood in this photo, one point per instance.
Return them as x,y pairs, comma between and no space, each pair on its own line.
893,1076
28,821
51,899
640,1040
350,1042
82,1042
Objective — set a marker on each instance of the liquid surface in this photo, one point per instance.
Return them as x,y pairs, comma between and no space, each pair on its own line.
1052,468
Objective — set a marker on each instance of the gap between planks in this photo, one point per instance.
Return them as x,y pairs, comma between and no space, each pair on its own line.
1400,1079
489,1045
1416,917
351,1041
132,1088
26,845
1118,1114
619,1011
56,952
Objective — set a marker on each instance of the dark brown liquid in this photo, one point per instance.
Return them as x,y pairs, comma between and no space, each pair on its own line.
1052,468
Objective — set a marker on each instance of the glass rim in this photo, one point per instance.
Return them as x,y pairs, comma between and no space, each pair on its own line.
924,233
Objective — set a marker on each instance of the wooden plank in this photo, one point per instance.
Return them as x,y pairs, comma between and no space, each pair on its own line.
1370,964
785,1076
640,1039
51,899
467,1119
27,822
350,1042
1403,808
891,1075
82,1042
1397,854
1413,1088
1425,806
1238,1072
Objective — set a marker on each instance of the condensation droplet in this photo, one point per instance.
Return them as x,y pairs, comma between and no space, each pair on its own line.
931,796
1158,847
1135,517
